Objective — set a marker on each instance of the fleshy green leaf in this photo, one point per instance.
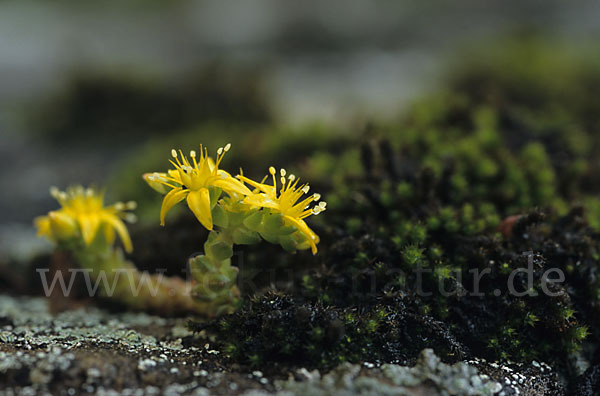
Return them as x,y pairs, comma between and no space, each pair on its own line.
220,216
220,250
214,193
272,223
245,237
288,243
253,221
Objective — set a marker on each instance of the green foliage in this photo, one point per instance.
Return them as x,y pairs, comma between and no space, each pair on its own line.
273,328
501,162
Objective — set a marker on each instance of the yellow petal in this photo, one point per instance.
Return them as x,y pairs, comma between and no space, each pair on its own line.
89,224
156,186
223,173
121,229
109,233
229,184
301,225
260,201
62,224
171,199
42,224
199,203
261,186
175,175
211,163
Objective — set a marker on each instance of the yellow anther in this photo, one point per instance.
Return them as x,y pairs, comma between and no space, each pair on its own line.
54,191
130,218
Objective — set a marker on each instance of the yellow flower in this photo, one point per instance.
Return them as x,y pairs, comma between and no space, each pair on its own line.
193,180
286,202
83,213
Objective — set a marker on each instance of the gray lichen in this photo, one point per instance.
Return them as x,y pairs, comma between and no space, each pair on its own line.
94,351
429,376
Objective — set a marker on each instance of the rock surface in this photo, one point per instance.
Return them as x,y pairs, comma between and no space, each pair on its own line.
93,351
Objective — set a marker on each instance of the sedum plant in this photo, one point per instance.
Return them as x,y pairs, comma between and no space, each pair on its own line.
236,210
234,214
86,230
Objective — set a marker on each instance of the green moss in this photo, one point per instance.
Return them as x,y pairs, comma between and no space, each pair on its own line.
273,328
500,163
412,256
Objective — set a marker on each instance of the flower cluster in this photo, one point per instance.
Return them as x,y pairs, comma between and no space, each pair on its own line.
87,229
194,181
201,183
83,216
285,201
236,210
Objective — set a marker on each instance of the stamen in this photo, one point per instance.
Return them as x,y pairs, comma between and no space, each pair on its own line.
164,180
193,155
282,172
282,180
323,205
305,189
54,191
131,205
157,177
316,196
272,171
184,160
220,151
130,218
292,178
120,206
227,147
173,153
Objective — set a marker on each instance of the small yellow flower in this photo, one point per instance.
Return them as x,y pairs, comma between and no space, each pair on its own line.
286,202
83,213
192,180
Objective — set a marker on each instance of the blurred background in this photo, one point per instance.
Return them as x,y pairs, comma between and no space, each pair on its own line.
98,92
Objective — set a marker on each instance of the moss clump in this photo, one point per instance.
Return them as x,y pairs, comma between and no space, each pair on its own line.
275,329
467,183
